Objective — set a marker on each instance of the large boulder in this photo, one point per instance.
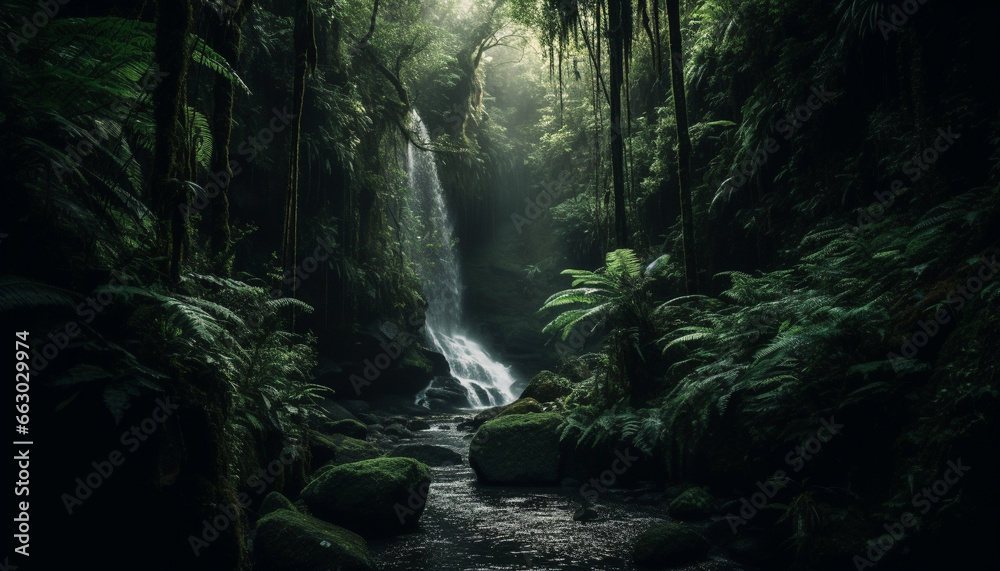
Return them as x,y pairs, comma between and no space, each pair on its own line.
334,411
273,502
376,497
322,448
427,453
352,450
517,449
347,427
386,359
521,406
444,393
288,540
397,430
395,419
484,416
547,387
669,544
418,424
692,504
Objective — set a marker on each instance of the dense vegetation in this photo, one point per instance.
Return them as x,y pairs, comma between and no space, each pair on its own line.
786,213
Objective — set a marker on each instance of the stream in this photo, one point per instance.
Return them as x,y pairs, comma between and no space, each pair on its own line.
466,526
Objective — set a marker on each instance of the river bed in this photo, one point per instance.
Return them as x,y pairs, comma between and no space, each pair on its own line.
466,526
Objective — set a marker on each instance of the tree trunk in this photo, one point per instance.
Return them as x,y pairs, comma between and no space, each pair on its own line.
173,24
617,15
227,39
305,54
683,146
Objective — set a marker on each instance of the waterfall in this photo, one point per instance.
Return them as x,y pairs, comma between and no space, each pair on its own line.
430,244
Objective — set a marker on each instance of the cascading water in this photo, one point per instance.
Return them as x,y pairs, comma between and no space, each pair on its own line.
429,244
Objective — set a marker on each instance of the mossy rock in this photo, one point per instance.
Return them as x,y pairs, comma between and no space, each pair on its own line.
484,416
691,504
322,449
427,453
518,449
397,430
416,359
375,497
273,502
521,406
547,387
351,428
353,450
334,411
669,544
290,541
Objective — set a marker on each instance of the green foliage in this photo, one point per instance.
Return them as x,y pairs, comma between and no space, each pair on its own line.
615,292
618,297
593,427
232,332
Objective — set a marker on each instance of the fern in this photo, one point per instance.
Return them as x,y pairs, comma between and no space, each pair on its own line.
19,294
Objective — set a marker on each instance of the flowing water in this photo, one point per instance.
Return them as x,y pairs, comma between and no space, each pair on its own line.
430,243
466,526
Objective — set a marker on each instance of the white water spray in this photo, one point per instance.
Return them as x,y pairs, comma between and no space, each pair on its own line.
430,244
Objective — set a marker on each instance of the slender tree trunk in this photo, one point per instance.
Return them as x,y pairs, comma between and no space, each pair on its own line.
305,54
227,39
616,46
174,21
659,48
683,146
